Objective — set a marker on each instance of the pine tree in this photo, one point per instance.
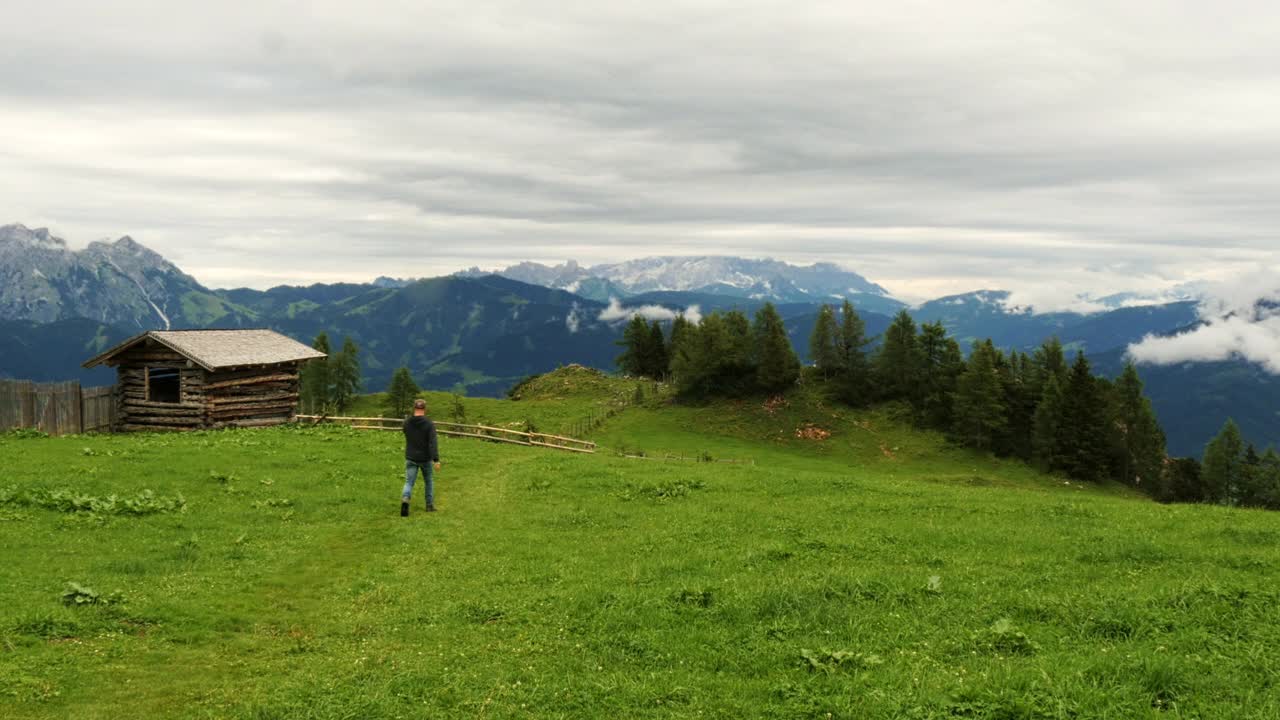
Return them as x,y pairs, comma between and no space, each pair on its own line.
777,367
1142,442
1021,396
714,357
680,329
1083,446
655,353
1223,465
344,382
401,393
1045,425
897,364
740,349
314,381
457,409
1253,490
979,401
690,361
941,364
824,351
635,341
1182,482
1049,359
1269,479
855,371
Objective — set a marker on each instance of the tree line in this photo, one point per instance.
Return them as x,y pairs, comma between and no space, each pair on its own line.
724,355
330,384
1037,407
1233,472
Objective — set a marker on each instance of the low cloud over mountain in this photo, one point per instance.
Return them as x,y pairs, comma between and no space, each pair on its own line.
616,311
1238,321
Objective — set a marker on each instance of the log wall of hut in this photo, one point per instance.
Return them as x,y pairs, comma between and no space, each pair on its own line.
233,397
252,397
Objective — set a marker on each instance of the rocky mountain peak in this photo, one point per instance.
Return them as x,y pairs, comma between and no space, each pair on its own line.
119,282
129,253
23,235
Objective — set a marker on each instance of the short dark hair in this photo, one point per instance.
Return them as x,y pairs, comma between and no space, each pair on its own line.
419,404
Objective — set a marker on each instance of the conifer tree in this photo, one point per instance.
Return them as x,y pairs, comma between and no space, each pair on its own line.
1182,482
1021,396
1049,359
1223,465
1268,482
777,367
897,364
655,353
401,393
855,371
1083,445
1253,490
1045,424
1141,439
979,403
688,361
941,364
824,351
713,357
314,380
345,376
679,334
740,353
635,341
682,332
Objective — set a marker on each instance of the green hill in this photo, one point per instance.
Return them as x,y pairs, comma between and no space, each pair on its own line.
845,566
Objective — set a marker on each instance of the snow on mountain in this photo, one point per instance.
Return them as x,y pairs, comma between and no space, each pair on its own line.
718,275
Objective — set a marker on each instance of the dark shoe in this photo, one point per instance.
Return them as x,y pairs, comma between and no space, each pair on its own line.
431,508
404,509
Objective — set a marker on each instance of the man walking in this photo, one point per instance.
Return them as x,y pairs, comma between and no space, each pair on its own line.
421,452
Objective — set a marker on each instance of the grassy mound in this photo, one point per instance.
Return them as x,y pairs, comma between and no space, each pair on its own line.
563,401
571,381
856,569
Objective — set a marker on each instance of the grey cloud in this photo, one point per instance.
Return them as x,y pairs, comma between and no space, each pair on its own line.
931,146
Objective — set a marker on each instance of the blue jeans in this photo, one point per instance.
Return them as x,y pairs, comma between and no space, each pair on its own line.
411,469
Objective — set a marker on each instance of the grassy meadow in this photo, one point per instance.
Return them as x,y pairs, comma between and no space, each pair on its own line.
875,572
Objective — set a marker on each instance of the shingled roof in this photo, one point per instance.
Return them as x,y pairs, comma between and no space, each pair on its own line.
215,349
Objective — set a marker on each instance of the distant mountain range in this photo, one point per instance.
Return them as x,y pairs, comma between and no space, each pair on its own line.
480,333
771,280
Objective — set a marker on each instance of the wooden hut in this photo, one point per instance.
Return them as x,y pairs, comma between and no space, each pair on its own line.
190,379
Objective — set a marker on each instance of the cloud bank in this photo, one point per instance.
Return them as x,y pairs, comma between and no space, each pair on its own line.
935,147
616,311
1239,321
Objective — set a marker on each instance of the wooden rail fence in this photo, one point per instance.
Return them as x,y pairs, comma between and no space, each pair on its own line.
62,408
481,432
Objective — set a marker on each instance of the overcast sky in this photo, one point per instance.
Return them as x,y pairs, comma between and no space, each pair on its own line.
1050,148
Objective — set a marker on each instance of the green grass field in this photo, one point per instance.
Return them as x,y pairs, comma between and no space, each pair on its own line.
876,573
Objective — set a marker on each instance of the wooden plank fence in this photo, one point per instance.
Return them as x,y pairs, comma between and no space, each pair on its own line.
61,408
481,432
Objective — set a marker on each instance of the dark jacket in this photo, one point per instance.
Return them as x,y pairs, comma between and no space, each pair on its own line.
420,440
